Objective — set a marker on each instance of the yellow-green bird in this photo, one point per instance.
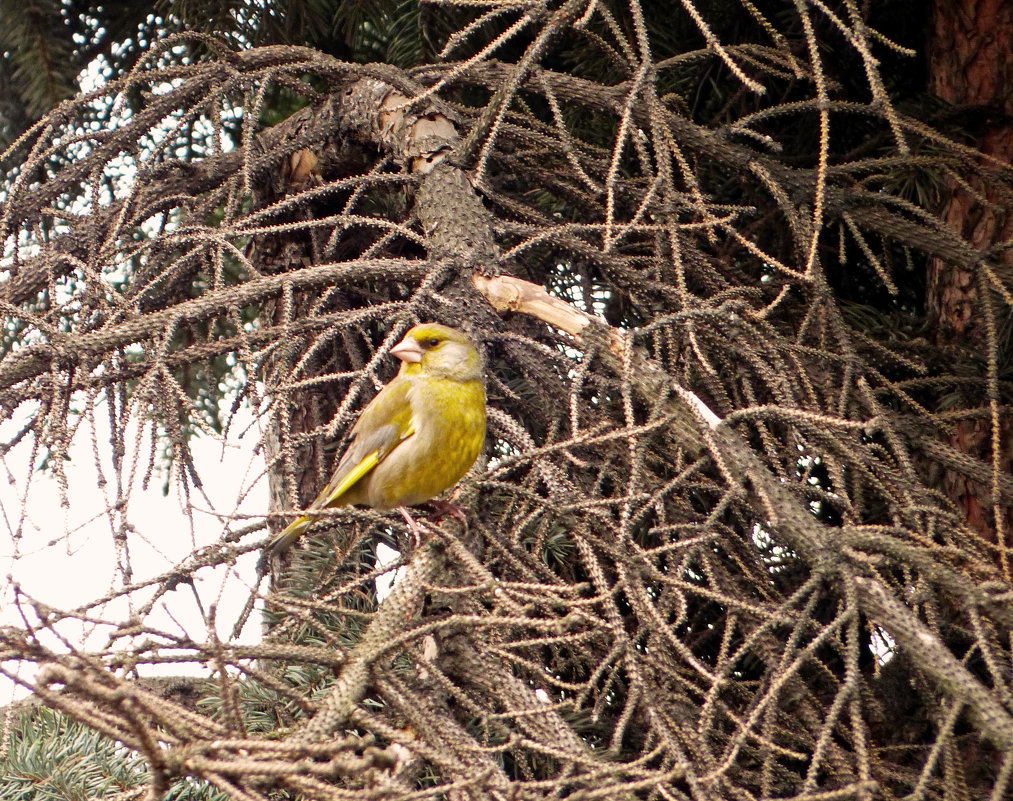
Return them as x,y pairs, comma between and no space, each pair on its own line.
417,437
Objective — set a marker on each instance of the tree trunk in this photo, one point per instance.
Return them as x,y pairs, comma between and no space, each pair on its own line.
971,69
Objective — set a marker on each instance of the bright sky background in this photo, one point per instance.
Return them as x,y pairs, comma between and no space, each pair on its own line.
66,556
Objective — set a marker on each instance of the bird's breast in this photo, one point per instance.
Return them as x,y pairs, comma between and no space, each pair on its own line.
449,421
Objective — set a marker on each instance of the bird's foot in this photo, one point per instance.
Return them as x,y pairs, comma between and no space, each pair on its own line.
416,528
442,508
439,510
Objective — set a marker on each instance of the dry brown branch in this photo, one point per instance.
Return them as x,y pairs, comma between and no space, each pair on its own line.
705,557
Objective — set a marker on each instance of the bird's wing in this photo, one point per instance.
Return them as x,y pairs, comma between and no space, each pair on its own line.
382,426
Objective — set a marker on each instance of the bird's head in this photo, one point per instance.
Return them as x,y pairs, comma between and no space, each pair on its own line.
439,351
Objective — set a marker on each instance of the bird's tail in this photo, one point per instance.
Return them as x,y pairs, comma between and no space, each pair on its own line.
331,496
285,538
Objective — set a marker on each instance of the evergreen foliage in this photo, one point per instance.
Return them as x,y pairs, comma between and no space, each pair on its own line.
808,599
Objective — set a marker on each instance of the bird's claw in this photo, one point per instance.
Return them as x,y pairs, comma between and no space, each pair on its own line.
416,528
441,508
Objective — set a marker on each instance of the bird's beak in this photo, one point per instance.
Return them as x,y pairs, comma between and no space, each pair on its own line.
407,350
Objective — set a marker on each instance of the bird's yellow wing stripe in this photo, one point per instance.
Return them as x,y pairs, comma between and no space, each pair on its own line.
363,467
357,472
294,529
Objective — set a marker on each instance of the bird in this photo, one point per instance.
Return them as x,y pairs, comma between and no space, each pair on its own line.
417,438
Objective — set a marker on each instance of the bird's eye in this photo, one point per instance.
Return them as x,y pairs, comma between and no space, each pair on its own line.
432,342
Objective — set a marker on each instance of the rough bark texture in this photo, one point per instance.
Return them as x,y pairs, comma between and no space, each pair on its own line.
971,68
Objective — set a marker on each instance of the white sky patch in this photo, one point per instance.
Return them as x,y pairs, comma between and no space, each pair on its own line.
883,646
386,582
66,557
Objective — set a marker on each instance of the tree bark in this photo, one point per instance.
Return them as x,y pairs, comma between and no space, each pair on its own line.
970,68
